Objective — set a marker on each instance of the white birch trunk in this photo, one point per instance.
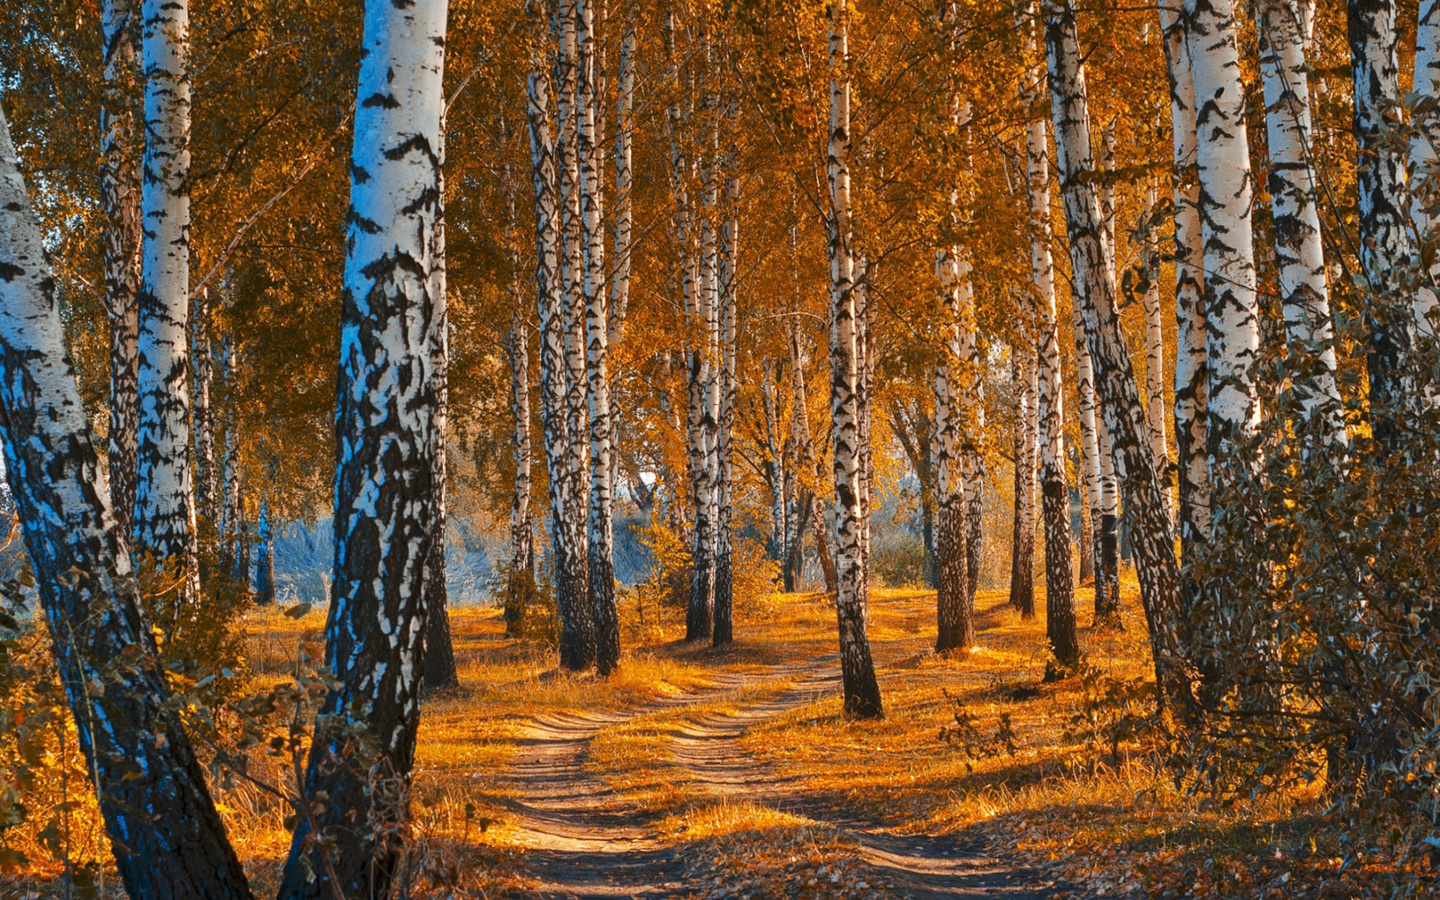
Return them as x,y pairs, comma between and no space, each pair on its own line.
1299,247
385,503
600,543
164,520
1425,158
1191,427
1387,249
551,302
955,620
152,790
1232,322
202,361
1054,487
1155,349
1125,417
861,690
120,239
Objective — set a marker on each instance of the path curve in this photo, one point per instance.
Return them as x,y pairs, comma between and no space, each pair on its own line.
585,841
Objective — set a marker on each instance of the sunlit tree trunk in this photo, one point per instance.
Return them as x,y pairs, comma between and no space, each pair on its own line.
776,470
810,461
1093,494
1232,323
517,352
439,655
1022,543
168,839
865,378
861,690
550,302
1190,365
577,620
1054,487
729,251
235,545
1155,350
1107,524
955,616
202,362
1087,536
600,538
1299,247
164,519
120,242
384,518
1115,383
1385,240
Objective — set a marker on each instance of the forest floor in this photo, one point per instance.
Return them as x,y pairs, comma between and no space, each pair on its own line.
702,773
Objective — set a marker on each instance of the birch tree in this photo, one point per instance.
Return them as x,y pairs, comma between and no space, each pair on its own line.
1226,197
120,242
1191,368
1423,152
955,616
729,253
138,753
1024,372
394,282
1282,30
1386,245
164,516
1054,487
1154,345
861,690
1115,379
600,537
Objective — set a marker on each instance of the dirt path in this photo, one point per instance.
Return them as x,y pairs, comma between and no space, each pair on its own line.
585,841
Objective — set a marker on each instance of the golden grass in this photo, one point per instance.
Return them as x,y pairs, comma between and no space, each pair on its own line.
1111,825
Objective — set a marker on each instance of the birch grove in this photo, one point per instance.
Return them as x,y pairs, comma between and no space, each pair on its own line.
755,317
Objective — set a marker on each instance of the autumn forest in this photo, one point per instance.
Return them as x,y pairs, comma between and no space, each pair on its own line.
719,449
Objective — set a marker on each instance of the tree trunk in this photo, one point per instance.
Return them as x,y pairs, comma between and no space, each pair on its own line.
1232,323
1155,350
1116,387
724,630
203,364
393,302
1422,149
120,240
1087,539
1191,367
600,538
164,519
265,566
955,614
139,755
235,556
439,671
1093,494
517,350
1054,488
861,690
1386,247
522,526
1299,245
1022,541
577,620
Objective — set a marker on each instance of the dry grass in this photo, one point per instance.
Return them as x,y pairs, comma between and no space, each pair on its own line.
1107,825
